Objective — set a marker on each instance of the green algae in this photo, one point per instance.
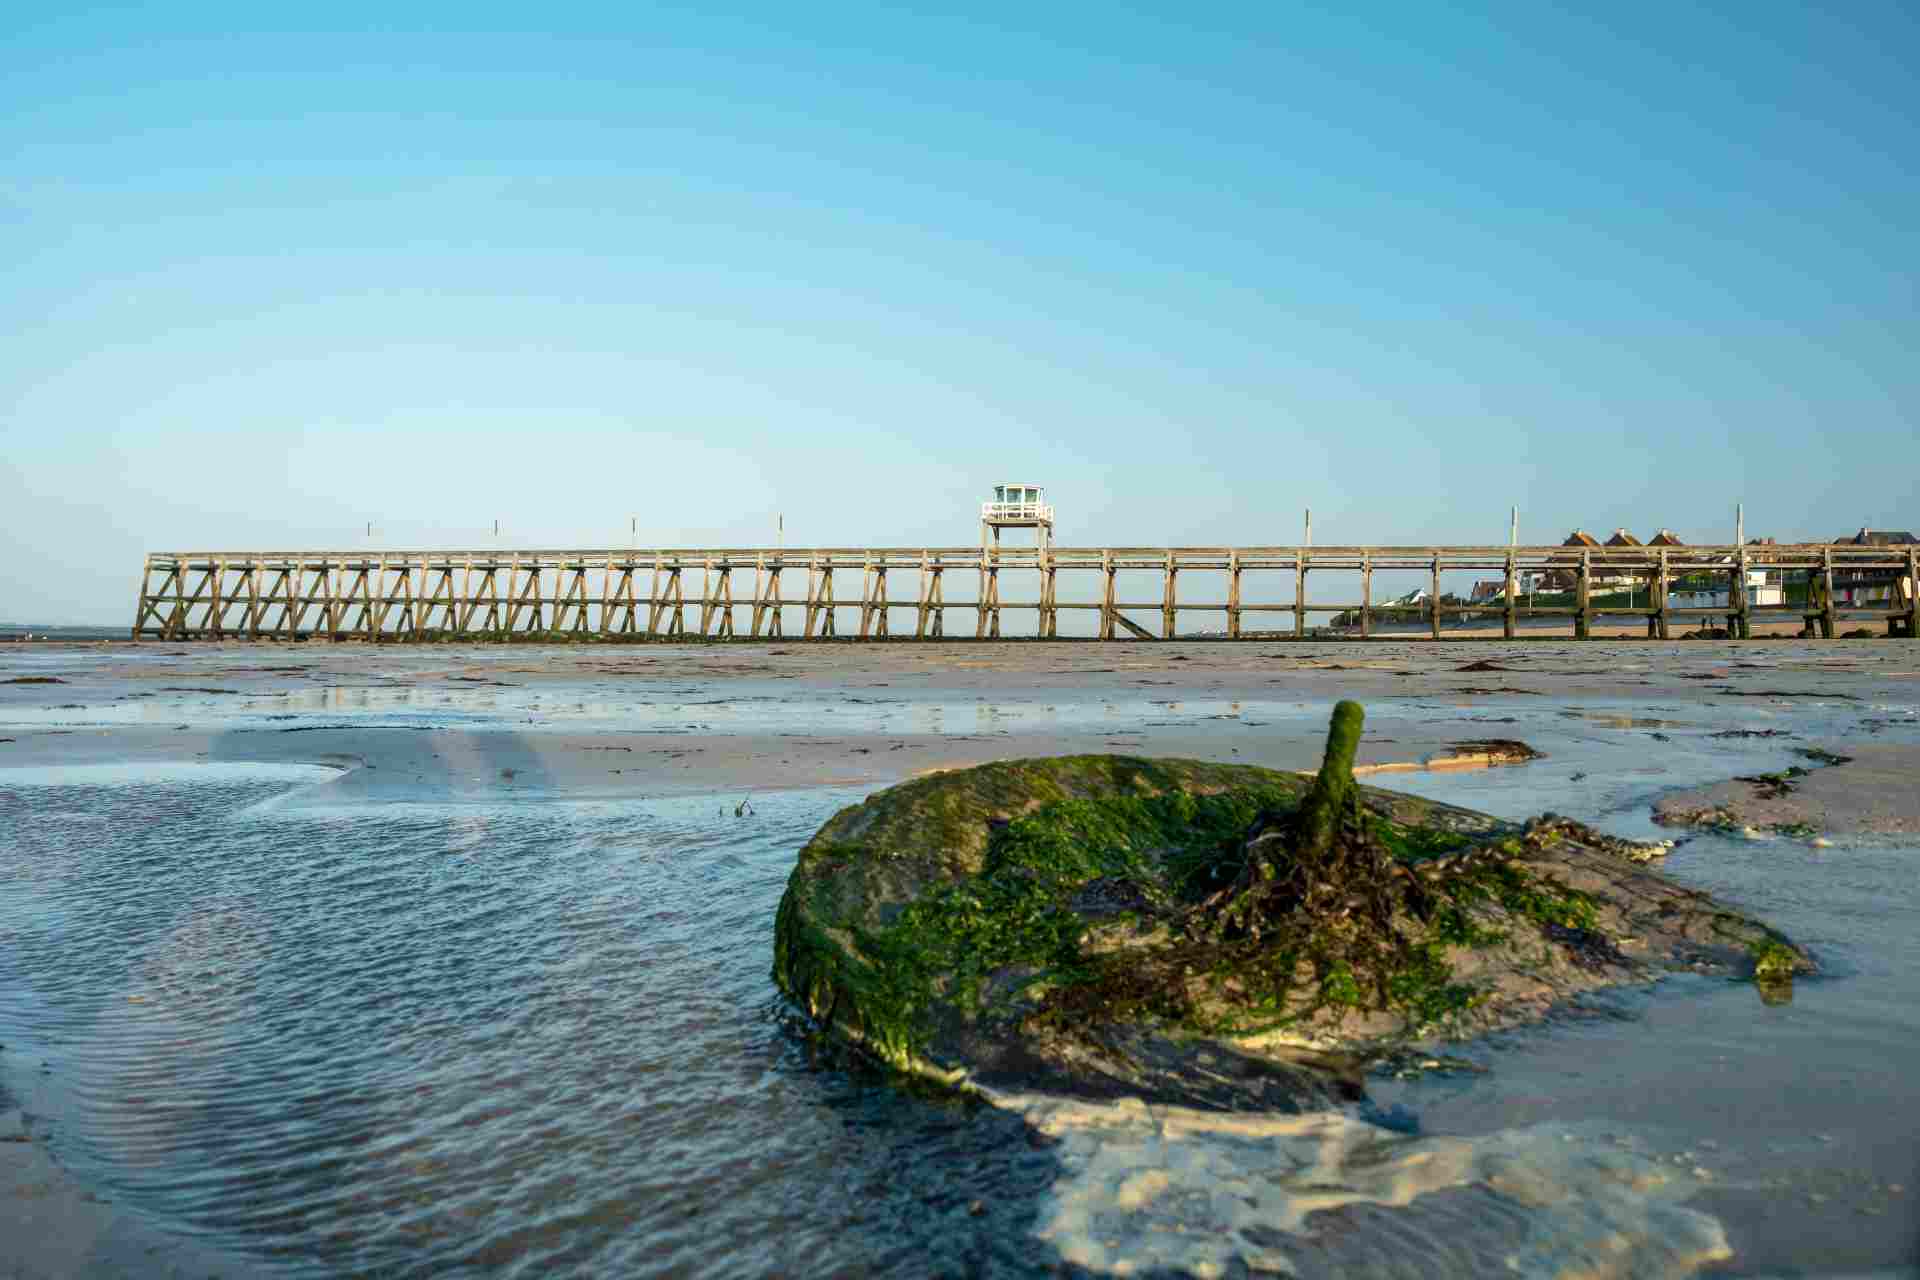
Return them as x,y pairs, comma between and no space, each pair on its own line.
1051,903
1085,904
1774,961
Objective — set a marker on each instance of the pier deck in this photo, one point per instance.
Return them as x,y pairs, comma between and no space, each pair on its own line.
741,593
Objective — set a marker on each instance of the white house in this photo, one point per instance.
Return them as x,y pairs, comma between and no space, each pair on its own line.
1759,592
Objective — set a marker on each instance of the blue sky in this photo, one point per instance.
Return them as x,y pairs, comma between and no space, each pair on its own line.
273,274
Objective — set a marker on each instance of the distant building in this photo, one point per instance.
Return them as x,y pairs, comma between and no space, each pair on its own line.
1483,591
1564,579
1884,587
1709,590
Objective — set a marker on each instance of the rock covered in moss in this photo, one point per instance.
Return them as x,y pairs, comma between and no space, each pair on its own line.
1047,924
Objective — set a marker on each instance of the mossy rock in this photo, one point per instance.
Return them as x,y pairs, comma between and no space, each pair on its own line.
1038,924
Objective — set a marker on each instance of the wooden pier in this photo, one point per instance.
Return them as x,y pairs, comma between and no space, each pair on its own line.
738,594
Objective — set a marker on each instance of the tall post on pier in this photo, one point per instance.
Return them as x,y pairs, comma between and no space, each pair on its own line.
1300,582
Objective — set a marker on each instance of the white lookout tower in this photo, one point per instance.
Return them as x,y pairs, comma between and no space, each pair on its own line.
1016,506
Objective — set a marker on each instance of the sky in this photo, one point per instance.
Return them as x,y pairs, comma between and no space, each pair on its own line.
663,274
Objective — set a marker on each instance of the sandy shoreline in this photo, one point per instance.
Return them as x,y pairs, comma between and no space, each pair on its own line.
458,724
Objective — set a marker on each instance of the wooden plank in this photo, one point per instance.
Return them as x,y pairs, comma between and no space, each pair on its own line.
1139,632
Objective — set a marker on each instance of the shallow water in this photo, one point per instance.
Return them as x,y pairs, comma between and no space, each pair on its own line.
505,1037
534,1035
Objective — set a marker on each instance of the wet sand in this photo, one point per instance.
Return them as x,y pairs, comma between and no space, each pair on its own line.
453,723
653,718
1873,790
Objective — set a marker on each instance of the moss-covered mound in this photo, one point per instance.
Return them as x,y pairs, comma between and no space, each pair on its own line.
1209,933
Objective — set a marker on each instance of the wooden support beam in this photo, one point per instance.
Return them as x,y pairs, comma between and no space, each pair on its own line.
656,600
1826,594
866,599
363,591
331,604
287,587
1170,605
1659,601
1049,611
1740,609
1139,632
1512,588
1107,612
1233,595
819,598
922,602
516,593
1300,595
766,597
214,627
1366,596
1434,598
873,601
1583,599
1913,593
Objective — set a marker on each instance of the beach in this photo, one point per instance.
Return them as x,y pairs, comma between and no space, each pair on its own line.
601,787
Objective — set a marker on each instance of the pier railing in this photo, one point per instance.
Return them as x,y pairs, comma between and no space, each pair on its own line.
740,593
